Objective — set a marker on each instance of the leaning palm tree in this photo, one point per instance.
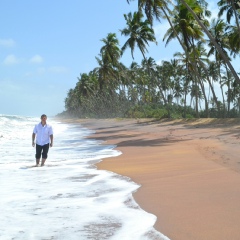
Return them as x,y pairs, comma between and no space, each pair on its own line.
186,28
139,32
231,7
198,15
187,4
217,29
234,40
189,31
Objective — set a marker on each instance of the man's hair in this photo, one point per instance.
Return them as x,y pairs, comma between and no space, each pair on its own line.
43,115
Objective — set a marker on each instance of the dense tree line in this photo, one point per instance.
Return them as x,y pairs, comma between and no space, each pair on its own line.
185,86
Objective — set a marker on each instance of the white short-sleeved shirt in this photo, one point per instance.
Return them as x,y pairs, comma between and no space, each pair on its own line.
42,133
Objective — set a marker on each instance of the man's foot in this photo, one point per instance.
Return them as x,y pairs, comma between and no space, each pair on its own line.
37,162
43,161
37,165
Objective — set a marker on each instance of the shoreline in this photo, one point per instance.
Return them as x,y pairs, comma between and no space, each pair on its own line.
188,171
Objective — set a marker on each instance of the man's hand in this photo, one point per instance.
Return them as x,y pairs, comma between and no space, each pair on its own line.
33,139
51,144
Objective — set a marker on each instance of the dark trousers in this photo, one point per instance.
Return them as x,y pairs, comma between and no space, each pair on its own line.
42,150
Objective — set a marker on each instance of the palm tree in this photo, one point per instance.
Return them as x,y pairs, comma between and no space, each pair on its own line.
223,55
84,86
110,54
176,75
215,75
185,26
158,9
189,31
217,30
232,8
134,76
106,73
139,33
234,40
71,102
110,51
149,66
154,9
162,84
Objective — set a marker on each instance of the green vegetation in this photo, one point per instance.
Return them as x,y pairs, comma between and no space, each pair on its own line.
163,90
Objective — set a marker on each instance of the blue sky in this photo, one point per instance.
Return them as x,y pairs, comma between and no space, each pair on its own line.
45,45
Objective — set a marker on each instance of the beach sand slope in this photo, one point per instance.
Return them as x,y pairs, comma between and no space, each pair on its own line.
189,172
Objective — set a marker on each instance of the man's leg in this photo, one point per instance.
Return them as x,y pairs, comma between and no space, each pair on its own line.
38,154
44,154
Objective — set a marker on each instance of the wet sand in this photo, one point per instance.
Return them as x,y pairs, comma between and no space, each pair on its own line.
189,172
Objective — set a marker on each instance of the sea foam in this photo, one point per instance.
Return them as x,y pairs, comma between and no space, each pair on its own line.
69,198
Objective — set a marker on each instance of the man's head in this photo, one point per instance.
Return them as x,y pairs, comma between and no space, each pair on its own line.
43,118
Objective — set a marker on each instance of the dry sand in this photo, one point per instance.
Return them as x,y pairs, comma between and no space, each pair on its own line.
189,172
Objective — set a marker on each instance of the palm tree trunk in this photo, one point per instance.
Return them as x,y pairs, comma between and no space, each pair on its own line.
205,98
165,101
185,104
228,91
211,86
196,96
221,86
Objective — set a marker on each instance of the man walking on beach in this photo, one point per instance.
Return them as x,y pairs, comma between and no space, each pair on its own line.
44,134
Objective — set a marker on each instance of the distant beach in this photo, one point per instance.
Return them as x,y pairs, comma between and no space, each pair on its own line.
189,172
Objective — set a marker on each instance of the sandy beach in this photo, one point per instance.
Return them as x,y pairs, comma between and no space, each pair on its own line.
189,172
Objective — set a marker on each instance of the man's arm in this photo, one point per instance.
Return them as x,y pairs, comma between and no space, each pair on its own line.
33,139
51,138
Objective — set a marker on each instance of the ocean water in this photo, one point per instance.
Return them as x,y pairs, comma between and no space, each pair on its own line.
68,198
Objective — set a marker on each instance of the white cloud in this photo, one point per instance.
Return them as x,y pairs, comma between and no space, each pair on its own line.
36,59
7,42
11,60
